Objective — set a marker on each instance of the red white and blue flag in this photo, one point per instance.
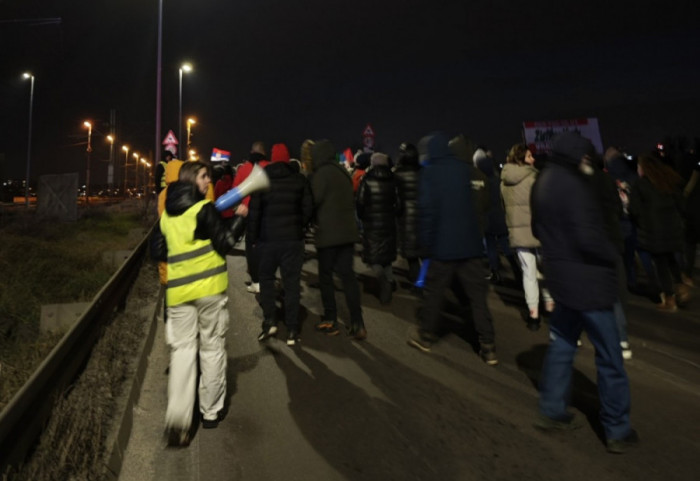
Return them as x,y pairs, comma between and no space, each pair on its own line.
218,155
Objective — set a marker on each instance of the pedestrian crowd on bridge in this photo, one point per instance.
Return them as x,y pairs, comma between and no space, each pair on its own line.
573,226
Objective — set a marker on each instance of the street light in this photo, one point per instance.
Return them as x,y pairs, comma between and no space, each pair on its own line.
89,151
187,68
29,135
110,179
136,169
190,123
146,164
125,148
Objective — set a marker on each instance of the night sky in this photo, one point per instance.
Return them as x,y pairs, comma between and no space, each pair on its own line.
284,71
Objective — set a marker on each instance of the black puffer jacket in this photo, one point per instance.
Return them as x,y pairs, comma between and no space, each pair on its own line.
283,212
407,174
377,207
182,196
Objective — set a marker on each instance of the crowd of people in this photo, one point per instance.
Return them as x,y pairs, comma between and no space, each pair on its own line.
573,227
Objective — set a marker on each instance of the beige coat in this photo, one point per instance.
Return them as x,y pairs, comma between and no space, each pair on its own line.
516,184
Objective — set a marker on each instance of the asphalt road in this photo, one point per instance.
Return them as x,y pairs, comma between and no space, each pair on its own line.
338,409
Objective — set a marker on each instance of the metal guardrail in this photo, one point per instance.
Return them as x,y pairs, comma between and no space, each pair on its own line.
24,418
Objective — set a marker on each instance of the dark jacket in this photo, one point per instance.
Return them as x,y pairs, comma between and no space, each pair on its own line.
448,217
283,212
407,175
567,218
657,217
182,196
334,202
496,214
377,206
625,176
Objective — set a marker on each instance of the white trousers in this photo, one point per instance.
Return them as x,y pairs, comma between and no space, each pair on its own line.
206,318
529,261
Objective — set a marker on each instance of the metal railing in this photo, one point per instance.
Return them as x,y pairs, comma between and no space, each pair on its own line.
24,418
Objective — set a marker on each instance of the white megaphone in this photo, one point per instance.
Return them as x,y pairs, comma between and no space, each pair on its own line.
256,180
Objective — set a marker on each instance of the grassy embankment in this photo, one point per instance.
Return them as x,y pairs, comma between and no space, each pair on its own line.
49,262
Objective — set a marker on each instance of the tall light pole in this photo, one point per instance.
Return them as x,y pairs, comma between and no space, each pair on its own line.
136,169
190,123
125,148
159,63
186,67
29,136
87,171
110,180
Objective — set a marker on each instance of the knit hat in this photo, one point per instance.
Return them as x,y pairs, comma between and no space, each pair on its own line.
280,153
379,159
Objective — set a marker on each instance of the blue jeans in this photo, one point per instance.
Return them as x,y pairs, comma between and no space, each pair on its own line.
613,387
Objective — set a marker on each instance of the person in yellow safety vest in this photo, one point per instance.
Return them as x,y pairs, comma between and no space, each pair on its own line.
194,240
162,166
172,171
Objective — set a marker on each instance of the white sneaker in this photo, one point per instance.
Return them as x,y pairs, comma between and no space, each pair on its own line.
626,351
254,287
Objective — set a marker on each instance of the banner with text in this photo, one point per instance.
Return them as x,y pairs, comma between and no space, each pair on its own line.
538,135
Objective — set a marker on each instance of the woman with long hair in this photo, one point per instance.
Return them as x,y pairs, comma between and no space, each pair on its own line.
656,205
194,240
517,178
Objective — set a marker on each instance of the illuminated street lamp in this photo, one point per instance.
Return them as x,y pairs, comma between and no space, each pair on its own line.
89,151
190,123
135,155
110,181
146,178
187,68
125,148
29,135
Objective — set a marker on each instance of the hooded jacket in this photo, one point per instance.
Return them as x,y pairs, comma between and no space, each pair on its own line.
377,206
334,202
516,184
285,209
448,217
407,174
579,257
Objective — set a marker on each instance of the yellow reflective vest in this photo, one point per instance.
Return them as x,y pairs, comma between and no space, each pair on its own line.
195,269
163,183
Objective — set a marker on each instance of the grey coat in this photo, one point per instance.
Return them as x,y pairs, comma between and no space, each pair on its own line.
516,184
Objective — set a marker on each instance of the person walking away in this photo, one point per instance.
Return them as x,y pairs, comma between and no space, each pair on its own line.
608,194
195,241
656,205
258,156
161,181
517,178
407,173
377,206
495,231
450,234
335,236
579,262
223,185
277,219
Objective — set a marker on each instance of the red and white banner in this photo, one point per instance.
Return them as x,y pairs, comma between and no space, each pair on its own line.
539,134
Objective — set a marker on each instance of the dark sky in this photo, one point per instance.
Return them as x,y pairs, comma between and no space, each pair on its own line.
283,71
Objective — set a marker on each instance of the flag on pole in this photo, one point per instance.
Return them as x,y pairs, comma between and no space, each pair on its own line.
218,155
